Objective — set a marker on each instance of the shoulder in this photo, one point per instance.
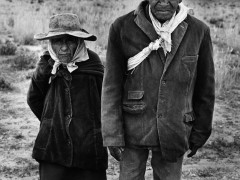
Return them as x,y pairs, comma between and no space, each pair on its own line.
93,66
196,23
93,56
122,21
44,55
197,27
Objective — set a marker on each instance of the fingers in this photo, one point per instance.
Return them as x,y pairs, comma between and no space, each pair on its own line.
116,152
193,152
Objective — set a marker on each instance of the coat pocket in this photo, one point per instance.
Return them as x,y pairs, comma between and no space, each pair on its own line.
134,103
187,68
190,58
135,95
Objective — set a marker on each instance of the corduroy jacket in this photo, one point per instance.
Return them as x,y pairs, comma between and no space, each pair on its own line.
68,107
164,102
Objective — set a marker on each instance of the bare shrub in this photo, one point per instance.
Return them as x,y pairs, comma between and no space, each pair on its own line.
217,22
23,60
5,85
227,70
8,48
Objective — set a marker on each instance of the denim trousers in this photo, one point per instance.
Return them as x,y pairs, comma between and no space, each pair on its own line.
133,165
50,171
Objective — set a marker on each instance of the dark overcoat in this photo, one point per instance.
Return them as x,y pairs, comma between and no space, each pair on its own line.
68,107
164,100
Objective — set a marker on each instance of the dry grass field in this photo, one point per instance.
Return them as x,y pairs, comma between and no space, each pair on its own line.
20,19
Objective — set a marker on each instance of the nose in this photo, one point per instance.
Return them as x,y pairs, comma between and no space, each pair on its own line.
64,46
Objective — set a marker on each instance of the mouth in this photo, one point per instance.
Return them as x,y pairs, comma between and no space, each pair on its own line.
64,55
64,58
163,12
162,9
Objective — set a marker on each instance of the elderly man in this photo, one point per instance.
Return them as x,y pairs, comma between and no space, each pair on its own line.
158,89
65,94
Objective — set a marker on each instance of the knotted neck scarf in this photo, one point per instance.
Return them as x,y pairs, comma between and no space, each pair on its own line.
80,55
164,33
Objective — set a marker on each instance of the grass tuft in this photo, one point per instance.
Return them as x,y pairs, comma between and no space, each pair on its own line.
24,60
8,48
5,85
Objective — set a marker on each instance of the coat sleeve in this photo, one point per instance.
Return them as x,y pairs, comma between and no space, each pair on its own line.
204,93
111,108
39,87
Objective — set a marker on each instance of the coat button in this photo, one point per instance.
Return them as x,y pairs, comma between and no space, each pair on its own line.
68,117
67,90
160,115
164,83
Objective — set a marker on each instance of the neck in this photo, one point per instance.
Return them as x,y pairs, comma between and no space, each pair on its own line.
162,21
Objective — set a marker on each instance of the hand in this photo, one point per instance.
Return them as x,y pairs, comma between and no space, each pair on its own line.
44,68
193,149
116,152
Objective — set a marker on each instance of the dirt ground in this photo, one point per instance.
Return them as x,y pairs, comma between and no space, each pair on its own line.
219,159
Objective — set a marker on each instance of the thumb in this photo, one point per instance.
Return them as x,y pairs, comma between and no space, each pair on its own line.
115,152
193,151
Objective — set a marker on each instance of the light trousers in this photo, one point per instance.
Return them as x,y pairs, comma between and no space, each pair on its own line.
133,165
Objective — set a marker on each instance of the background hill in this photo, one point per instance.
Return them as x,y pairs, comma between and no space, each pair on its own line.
21,19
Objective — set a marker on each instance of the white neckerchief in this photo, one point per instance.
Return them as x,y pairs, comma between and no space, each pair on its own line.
164,40
80,55
164,30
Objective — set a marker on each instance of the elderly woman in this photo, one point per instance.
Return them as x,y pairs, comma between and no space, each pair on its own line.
65,94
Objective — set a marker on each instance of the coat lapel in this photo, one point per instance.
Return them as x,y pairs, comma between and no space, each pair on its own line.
177,37
142,22
149,30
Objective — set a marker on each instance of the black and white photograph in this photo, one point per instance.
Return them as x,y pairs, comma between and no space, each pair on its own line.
119,90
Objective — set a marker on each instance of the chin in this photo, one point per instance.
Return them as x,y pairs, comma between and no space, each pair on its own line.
164,16
64,60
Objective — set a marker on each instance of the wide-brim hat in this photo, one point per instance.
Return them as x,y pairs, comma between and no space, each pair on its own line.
65,24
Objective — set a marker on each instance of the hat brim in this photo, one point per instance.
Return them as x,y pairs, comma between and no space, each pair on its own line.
80,34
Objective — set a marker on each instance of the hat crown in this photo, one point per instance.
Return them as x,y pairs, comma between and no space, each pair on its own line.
64,22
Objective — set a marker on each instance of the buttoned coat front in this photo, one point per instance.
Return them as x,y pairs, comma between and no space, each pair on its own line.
164,102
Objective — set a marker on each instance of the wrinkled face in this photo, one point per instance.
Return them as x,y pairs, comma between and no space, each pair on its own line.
64,47
163,10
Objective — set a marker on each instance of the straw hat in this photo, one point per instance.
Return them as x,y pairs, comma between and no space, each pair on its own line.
62,24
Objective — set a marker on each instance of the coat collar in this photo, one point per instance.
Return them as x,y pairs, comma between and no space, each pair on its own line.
143,23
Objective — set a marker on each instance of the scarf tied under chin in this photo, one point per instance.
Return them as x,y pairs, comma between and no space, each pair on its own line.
80,55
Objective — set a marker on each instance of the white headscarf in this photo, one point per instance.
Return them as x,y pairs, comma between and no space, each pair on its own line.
80,55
